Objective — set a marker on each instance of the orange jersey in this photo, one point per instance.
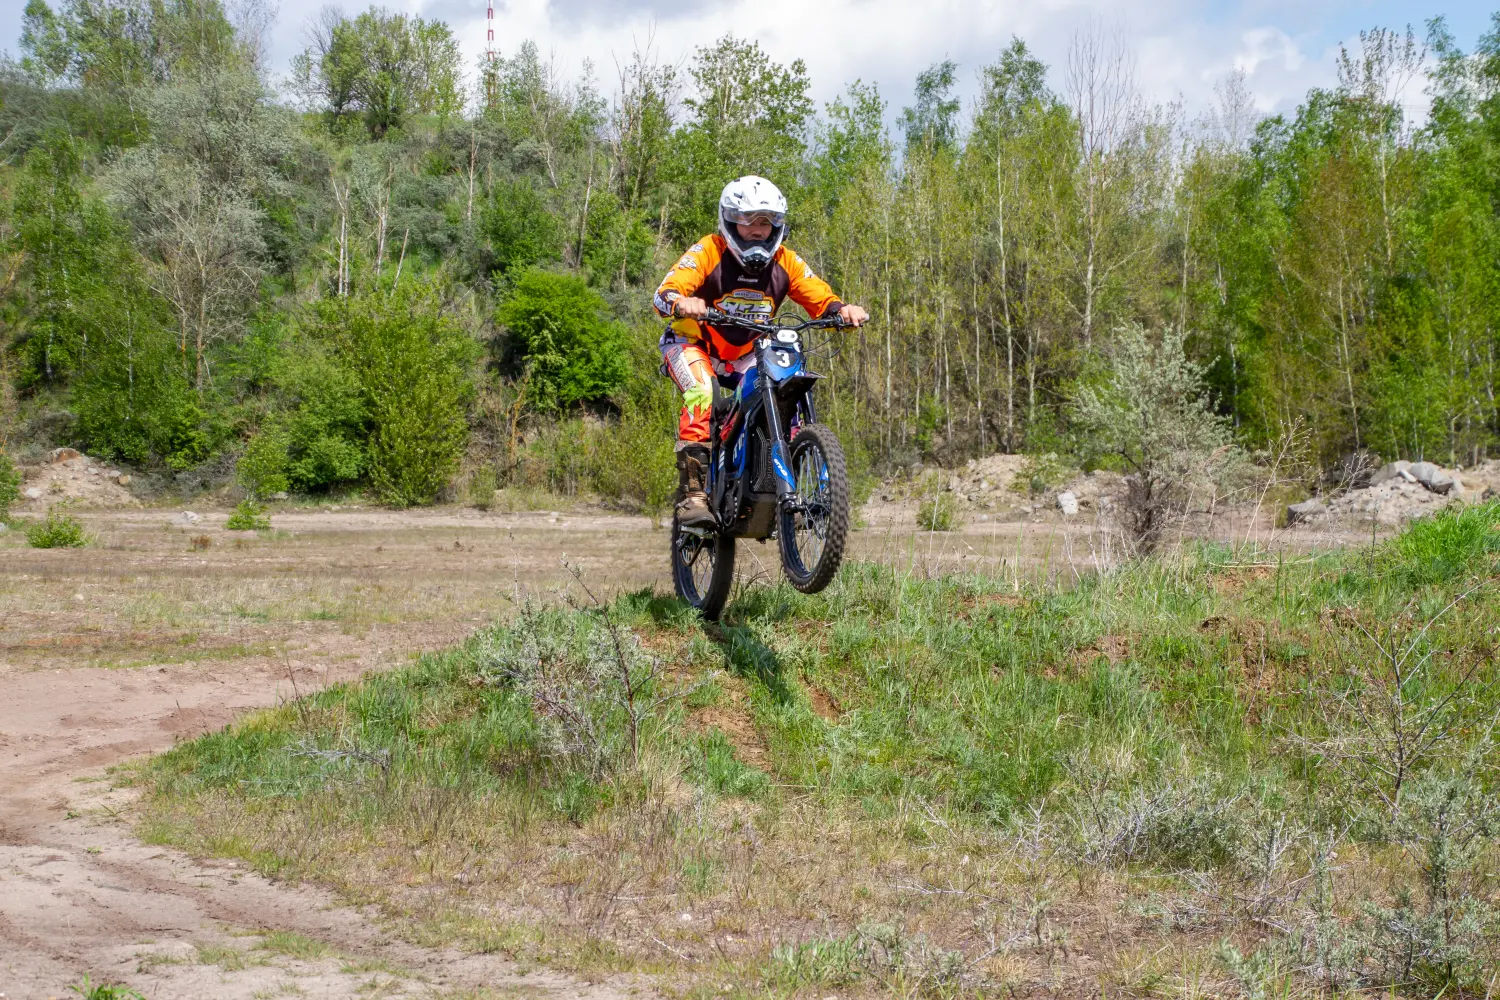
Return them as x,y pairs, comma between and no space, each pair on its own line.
709,272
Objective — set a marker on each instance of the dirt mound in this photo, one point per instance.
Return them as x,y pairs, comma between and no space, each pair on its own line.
78,479
1484,476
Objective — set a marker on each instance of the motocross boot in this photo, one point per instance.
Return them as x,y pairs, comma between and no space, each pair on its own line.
692,485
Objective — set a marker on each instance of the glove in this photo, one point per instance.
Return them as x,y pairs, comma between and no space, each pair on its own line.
698,398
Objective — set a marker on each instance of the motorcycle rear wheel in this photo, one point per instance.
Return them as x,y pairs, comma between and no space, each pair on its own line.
702,570
813,537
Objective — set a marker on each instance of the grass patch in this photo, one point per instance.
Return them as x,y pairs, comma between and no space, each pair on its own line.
228,958
293,945
90,990
1280,773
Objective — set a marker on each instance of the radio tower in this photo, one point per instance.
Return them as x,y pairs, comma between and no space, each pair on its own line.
489,54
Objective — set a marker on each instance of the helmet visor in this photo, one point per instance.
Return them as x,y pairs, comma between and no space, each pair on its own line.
773,219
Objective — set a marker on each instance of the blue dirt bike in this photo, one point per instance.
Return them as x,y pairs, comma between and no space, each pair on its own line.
774,472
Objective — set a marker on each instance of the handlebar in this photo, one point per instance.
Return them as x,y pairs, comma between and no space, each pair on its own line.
720,318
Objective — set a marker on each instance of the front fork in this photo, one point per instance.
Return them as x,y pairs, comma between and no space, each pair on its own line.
786,487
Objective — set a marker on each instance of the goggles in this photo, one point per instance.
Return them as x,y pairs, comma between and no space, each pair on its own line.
774,219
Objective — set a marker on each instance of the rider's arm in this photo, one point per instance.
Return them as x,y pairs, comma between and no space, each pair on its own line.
808,290
687,275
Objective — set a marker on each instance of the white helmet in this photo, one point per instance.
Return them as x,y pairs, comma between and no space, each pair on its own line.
748,198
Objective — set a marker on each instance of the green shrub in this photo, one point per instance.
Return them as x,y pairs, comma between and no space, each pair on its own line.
1144,408
262,469
323,428
10,485
521,226
248,516
938,512
412,363
569,350
59,531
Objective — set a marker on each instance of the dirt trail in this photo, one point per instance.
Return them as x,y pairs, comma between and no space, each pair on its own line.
192,638
80,895
167,629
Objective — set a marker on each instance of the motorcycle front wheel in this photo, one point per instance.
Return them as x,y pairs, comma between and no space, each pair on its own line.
814,528
702,569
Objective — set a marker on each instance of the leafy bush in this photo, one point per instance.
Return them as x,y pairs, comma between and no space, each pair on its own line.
248,516
262,469
1145,408
10,485
482,486
618,244
318,437
59,531
568,349
938,512
521,226
412,363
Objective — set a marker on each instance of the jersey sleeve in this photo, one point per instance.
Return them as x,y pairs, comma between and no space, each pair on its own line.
807,289
687,275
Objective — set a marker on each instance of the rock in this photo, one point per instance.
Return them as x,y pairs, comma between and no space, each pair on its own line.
188,517
1299,513
123,480
1432,477
34,493
1067,503
279,495
3,528
64,455
1391,470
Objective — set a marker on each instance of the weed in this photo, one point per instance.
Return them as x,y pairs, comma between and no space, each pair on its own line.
59,531
248,516
90,990
200,543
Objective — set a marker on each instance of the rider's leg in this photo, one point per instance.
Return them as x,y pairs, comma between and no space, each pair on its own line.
688,365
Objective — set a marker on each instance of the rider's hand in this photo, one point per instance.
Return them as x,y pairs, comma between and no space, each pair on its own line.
690,308
853,315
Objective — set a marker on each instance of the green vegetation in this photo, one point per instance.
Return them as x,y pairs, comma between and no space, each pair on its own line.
90,990
393,285
938,511
10,485
58,531
943,776
248,516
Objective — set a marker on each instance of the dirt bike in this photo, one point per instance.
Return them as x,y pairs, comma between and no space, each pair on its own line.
774,472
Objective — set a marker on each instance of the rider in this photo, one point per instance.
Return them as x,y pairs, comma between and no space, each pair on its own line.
745,270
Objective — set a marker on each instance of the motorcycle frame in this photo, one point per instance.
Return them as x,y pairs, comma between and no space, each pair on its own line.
766,405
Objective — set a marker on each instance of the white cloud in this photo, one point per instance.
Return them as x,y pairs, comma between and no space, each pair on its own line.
1182,47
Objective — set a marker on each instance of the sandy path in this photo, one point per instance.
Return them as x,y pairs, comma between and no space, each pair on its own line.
80,895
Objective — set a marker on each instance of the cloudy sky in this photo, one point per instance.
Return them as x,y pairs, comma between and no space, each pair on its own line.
1182,47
